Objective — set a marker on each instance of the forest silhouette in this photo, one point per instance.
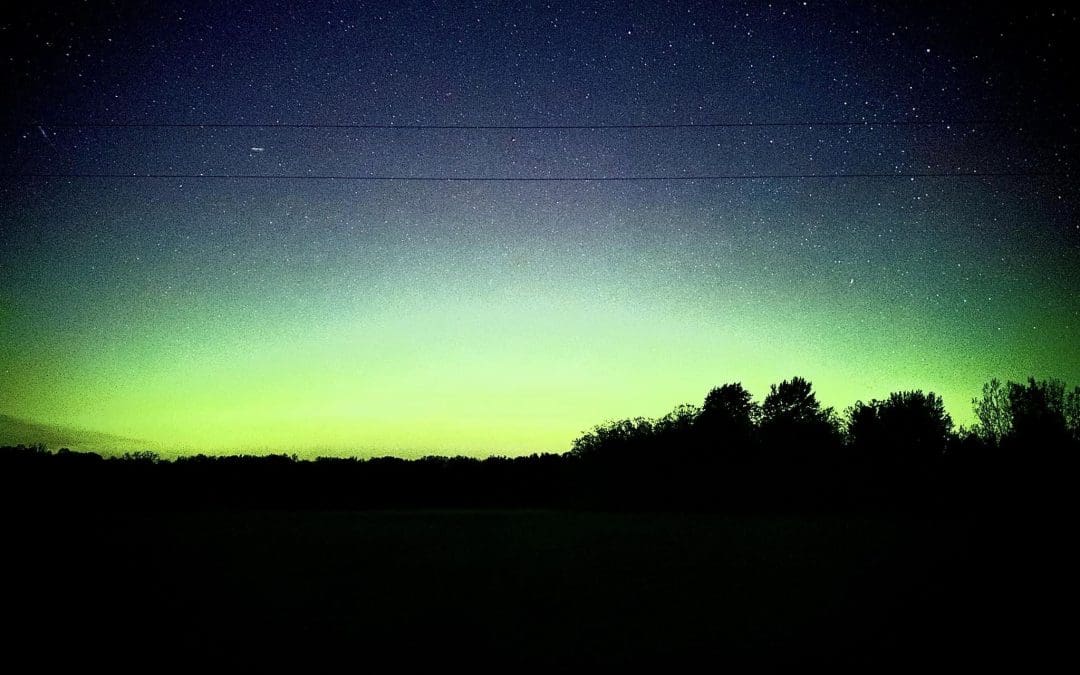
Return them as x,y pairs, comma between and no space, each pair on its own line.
776,532
731,453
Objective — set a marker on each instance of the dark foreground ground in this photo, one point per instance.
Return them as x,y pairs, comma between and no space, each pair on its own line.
249,588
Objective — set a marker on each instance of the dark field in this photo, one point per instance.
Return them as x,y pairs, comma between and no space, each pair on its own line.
510,587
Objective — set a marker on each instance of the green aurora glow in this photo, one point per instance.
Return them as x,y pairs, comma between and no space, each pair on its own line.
441,327
375,317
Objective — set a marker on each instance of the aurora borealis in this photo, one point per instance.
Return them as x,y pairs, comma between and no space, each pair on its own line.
318,315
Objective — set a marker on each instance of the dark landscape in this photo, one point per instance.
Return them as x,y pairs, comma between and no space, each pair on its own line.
660,335
732,532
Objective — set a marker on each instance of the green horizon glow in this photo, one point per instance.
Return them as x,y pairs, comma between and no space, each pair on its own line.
457,333
893,206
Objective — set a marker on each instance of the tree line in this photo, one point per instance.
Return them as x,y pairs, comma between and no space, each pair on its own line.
787,452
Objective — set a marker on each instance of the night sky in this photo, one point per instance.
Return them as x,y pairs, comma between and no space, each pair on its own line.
316,315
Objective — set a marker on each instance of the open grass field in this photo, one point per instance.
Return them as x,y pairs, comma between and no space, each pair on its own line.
513,587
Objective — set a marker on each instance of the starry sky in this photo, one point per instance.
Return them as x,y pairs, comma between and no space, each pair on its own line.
302,306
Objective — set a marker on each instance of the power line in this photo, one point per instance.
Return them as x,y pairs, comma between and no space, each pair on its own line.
512,127
534,179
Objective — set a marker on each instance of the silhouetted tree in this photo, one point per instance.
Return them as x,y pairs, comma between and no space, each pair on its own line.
908,426
899,443
728,417
1038,414
799,460
677,425
792,417
615,440
993,412
1072,413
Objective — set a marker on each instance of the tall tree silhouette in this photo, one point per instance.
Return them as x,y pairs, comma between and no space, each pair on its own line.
1072,413
800,445
1034,413
908,427
791,416
899,444
728,418
993,412
1038,413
